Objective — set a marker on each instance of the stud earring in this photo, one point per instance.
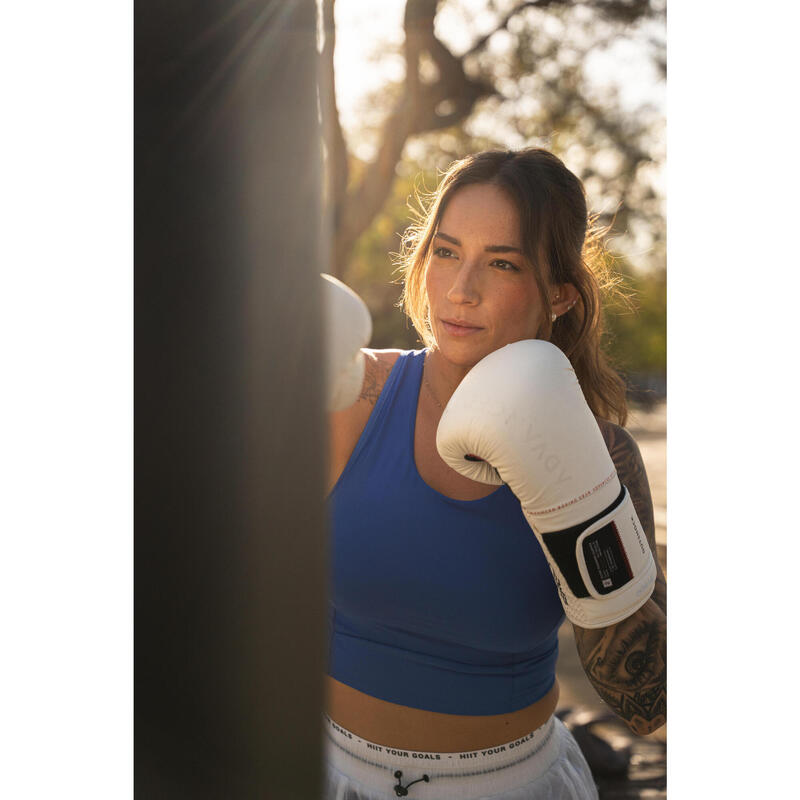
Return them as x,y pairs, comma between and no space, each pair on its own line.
553,317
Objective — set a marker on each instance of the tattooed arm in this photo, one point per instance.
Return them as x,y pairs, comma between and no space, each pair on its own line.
627,662
345,427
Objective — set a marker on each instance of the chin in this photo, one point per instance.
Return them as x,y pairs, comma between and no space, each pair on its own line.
468,353
465,354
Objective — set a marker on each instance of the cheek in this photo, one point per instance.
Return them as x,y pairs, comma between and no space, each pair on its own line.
430,276
521,311
434,287
428,284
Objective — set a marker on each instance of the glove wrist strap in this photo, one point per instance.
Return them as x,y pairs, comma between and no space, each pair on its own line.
606,564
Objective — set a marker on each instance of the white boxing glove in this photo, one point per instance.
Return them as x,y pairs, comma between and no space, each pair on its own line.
519,417
348,328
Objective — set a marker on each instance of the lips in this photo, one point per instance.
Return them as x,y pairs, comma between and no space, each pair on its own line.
459,327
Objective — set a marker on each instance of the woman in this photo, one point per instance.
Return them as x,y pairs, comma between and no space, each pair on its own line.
444,611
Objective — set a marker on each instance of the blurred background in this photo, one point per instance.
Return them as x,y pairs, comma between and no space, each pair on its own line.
585,80
408,86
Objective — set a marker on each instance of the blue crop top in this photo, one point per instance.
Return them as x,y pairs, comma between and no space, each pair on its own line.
439,604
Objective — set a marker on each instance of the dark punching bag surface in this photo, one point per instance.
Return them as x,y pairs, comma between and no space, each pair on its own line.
229,440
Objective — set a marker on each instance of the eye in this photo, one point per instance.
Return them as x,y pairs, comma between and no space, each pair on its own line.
442,252
505,266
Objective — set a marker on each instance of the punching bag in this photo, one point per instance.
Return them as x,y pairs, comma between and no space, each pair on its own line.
229,553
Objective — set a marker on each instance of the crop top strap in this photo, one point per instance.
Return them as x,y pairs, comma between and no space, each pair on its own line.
392,419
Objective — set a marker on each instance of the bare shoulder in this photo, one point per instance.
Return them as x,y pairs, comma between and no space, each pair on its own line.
378,365
346,426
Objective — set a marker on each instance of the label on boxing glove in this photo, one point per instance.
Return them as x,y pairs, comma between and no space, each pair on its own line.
604,565
606,560
603,568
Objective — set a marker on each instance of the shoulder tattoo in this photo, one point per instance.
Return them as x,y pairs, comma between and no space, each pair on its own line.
375,374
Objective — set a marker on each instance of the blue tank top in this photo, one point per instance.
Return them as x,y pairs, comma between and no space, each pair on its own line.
434,603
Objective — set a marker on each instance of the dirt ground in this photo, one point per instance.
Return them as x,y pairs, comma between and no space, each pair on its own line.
647,774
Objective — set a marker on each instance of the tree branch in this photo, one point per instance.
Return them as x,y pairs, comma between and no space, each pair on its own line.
415,112
481,43
436,105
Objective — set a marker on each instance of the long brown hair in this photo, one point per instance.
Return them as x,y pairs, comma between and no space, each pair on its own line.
557,240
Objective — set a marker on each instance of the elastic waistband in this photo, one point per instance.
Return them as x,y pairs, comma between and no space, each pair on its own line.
457,764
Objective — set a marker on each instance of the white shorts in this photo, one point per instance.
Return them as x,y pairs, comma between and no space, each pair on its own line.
546,764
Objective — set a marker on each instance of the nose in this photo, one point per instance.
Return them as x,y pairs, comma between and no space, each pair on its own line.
464,290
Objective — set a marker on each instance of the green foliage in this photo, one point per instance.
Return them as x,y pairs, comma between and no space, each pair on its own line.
636,332
371,271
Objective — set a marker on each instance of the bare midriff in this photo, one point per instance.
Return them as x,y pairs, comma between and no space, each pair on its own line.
394,725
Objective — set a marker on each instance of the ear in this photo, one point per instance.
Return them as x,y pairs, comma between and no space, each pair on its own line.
563,296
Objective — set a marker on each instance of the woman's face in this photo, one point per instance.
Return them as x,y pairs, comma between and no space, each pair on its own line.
482,295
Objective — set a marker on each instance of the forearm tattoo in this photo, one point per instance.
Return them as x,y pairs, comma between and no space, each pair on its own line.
627,665
627,662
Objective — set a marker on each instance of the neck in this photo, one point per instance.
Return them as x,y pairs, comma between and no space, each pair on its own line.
443,376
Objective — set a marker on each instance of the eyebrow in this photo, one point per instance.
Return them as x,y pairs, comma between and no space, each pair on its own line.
492,248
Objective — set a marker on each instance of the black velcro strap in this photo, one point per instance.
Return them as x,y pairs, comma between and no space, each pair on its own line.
561,547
